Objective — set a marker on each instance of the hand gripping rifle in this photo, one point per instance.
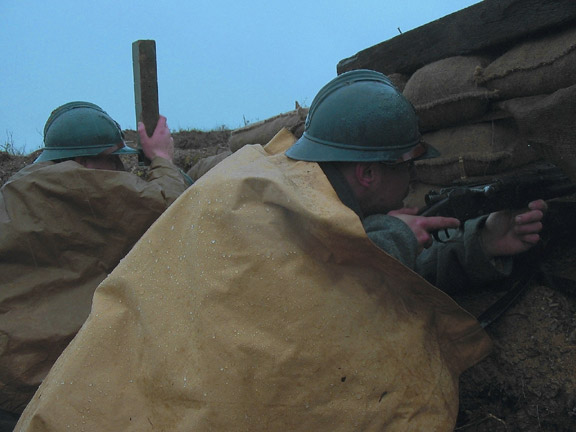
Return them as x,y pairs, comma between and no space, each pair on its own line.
466,202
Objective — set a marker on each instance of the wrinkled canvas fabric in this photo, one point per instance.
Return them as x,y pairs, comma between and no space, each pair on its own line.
257,302
63,229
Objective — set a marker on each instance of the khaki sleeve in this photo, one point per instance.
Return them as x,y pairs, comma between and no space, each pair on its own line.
392,236
461,263
165,174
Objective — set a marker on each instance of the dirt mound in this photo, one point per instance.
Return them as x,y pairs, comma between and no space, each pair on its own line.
528,382
10,164
193,145
190,147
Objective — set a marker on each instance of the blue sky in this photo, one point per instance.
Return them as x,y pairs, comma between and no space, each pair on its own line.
220,62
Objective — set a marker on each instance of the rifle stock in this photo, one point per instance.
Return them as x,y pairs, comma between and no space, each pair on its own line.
506,193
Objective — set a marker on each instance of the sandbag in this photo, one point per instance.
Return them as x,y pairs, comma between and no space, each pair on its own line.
263,131
399,80
534,67
474,150
548,124
205,164
444,92
257,302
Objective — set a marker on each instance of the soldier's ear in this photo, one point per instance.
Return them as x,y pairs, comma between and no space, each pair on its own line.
365,173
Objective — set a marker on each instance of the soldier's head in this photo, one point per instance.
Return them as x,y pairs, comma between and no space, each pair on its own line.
362,123
84,132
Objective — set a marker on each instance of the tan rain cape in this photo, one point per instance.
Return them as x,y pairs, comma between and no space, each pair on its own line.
63,229
257,303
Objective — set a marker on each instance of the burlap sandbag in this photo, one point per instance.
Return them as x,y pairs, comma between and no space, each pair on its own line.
534,67
444,92
205,164
263,131
474,150
258,303
399,80
548,124
63,229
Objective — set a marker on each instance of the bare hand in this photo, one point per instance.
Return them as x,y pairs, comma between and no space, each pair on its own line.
160,144
423,226
509,233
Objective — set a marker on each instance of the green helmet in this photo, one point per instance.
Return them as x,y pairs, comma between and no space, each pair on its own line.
360,117
81,129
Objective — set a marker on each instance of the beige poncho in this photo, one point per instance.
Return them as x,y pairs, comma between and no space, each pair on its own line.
63,229
257,303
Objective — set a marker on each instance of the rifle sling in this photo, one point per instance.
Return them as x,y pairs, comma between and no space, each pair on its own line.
558,283
503,303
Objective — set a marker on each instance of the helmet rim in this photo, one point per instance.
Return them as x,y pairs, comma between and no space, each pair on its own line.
55,153
359,116
81,129
311,149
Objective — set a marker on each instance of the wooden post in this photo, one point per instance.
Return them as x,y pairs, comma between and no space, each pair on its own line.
145,87
482,27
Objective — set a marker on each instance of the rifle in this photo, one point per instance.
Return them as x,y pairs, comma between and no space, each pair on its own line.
465,202
557,235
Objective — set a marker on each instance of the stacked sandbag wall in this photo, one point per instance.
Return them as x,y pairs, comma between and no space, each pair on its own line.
497,111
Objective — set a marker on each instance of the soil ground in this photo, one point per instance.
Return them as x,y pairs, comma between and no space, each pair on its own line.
528,382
